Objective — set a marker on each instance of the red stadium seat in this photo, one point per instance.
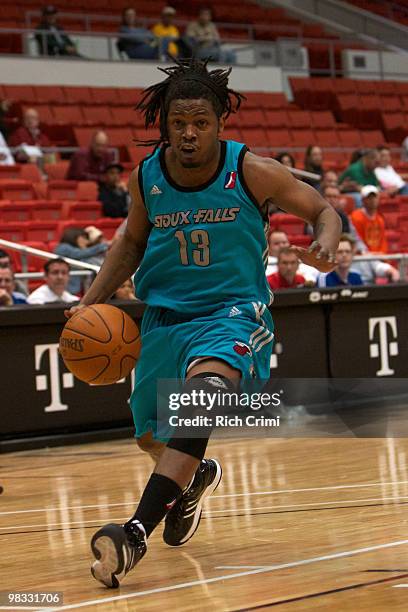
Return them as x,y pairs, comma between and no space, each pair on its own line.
56,171
87,190
97,115
82,210
15,232
299,119
327,138
272,101
43,231
136,154
108,226
47,210
16,211
69,114
107,96
251,118
78,95
127,96
287,223
16,190
49,94
350,138
62,190
302,240
276,119
31,172
323,119
20,93
35,263
126,116
10,172
279,138
372,138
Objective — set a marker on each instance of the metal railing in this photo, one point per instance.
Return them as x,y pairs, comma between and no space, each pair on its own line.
84,268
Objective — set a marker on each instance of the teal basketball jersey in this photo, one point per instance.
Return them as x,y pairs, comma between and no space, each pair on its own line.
208,245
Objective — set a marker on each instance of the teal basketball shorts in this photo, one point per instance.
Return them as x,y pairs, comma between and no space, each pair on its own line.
241,335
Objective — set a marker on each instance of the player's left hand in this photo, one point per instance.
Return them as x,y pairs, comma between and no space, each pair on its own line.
317,256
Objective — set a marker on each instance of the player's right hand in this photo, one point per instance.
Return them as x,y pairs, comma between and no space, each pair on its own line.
70,312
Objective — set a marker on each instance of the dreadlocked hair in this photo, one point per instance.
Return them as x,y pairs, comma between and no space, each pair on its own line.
188,79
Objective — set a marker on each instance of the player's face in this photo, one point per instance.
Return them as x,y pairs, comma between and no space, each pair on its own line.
193,129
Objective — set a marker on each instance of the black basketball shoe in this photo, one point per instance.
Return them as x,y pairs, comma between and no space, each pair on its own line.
117,549
183,519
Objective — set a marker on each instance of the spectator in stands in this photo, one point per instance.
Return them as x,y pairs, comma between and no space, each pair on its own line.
389,179
333,196
286,159
126,291
137,42
330,179
6,262
74,244
287,276
51,38
89,164
204,39
96,236
314,164
404,150
56,274
342,275
369,223
8,294
29,133
6,157
361,173
167,33
278,240
5,106
113,193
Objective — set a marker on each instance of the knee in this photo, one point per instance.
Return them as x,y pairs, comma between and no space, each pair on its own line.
149,445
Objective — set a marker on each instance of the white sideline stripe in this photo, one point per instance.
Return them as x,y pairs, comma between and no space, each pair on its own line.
213,512
261,570
250,494
18,607
399,586
326,503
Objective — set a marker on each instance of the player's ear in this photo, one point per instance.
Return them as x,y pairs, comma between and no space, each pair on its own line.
221,125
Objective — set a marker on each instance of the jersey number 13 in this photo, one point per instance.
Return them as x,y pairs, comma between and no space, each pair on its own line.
201,252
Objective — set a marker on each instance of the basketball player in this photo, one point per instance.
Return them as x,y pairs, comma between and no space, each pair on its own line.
196,228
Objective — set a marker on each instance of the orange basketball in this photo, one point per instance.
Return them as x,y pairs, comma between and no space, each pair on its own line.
100,344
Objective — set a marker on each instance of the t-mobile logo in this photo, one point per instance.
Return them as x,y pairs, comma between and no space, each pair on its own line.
52,380
383,349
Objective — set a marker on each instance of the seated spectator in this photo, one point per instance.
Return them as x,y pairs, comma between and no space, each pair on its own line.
74,244
389,179
89,164
8,294
96,236
374,268
126,291
333,197
286,159
329,179
51,38
404,150
278,240
287,276
6,157
360,173
6,262
342,275
56,274
5,106
137,42
204,39
113,193
313,163
167,33
30,134
369,223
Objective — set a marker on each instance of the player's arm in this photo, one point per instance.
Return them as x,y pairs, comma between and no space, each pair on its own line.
123,259
269,181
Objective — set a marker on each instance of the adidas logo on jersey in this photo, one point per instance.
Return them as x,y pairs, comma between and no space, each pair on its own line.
234,312
155,190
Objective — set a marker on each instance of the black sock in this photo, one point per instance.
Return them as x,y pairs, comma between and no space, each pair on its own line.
158,498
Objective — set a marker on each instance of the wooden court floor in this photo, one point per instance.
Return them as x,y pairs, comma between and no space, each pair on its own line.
304,524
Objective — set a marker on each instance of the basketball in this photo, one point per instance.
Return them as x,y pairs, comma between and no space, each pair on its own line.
100,344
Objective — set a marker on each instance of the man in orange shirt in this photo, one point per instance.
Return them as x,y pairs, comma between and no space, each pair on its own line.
369,223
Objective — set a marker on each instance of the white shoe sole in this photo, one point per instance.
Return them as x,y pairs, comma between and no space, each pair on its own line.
197,515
